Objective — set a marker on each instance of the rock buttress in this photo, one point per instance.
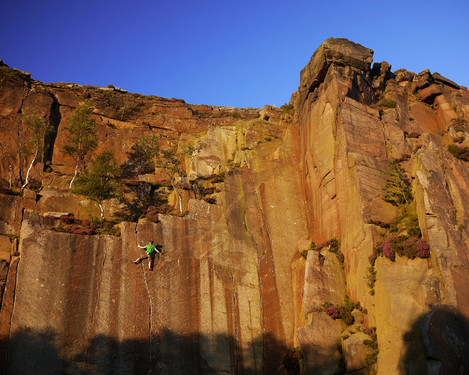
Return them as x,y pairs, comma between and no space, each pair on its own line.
353,124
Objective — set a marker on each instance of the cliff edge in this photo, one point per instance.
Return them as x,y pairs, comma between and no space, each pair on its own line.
328,236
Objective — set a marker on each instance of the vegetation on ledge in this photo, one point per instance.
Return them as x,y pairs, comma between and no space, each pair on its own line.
332,245
73,225
459,152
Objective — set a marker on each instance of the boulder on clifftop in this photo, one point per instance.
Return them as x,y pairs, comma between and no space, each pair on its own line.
445,81
337,51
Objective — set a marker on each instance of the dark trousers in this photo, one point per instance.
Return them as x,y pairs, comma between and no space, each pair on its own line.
145,256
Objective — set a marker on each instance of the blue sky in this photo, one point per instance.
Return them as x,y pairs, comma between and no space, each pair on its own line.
229,53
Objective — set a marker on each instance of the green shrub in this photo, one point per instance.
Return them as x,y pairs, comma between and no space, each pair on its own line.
371,275
388,103
414,231
6,72
397,189
104,226
372,356
287,108
126,112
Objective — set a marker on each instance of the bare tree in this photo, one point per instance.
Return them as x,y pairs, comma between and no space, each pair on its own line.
36,130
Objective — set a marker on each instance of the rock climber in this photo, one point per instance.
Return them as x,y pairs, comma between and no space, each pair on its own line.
150,252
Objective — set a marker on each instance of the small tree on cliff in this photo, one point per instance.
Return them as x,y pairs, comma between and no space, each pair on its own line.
36,130
82,130
100,181
398,188
141,157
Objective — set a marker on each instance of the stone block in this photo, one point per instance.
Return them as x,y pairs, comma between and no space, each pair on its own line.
319,341
429,93
355,351
5,244
324,281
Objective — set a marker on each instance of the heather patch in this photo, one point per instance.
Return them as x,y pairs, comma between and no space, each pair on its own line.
411,248
73,225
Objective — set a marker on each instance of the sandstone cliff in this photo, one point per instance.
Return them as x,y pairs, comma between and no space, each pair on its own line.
331,236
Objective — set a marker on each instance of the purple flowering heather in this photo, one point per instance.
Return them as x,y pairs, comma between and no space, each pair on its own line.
415,247
150,209
387,249
87,232
333,312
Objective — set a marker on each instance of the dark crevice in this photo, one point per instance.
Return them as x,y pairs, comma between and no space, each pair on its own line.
6,344
54,121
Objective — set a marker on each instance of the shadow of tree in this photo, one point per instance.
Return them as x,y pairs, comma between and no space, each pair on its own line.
36,353
30,352
437,344
139,196
54,121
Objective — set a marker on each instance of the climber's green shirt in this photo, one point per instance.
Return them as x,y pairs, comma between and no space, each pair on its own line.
149,249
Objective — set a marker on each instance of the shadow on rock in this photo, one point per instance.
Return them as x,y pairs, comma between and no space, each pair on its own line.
36,352
437,344
29,351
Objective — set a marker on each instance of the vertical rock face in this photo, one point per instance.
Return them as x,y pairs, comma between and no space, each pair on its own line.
339,226
349,133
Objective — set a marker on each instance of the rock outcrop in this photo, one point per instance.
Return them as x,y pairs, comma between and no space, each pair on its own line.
328,236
